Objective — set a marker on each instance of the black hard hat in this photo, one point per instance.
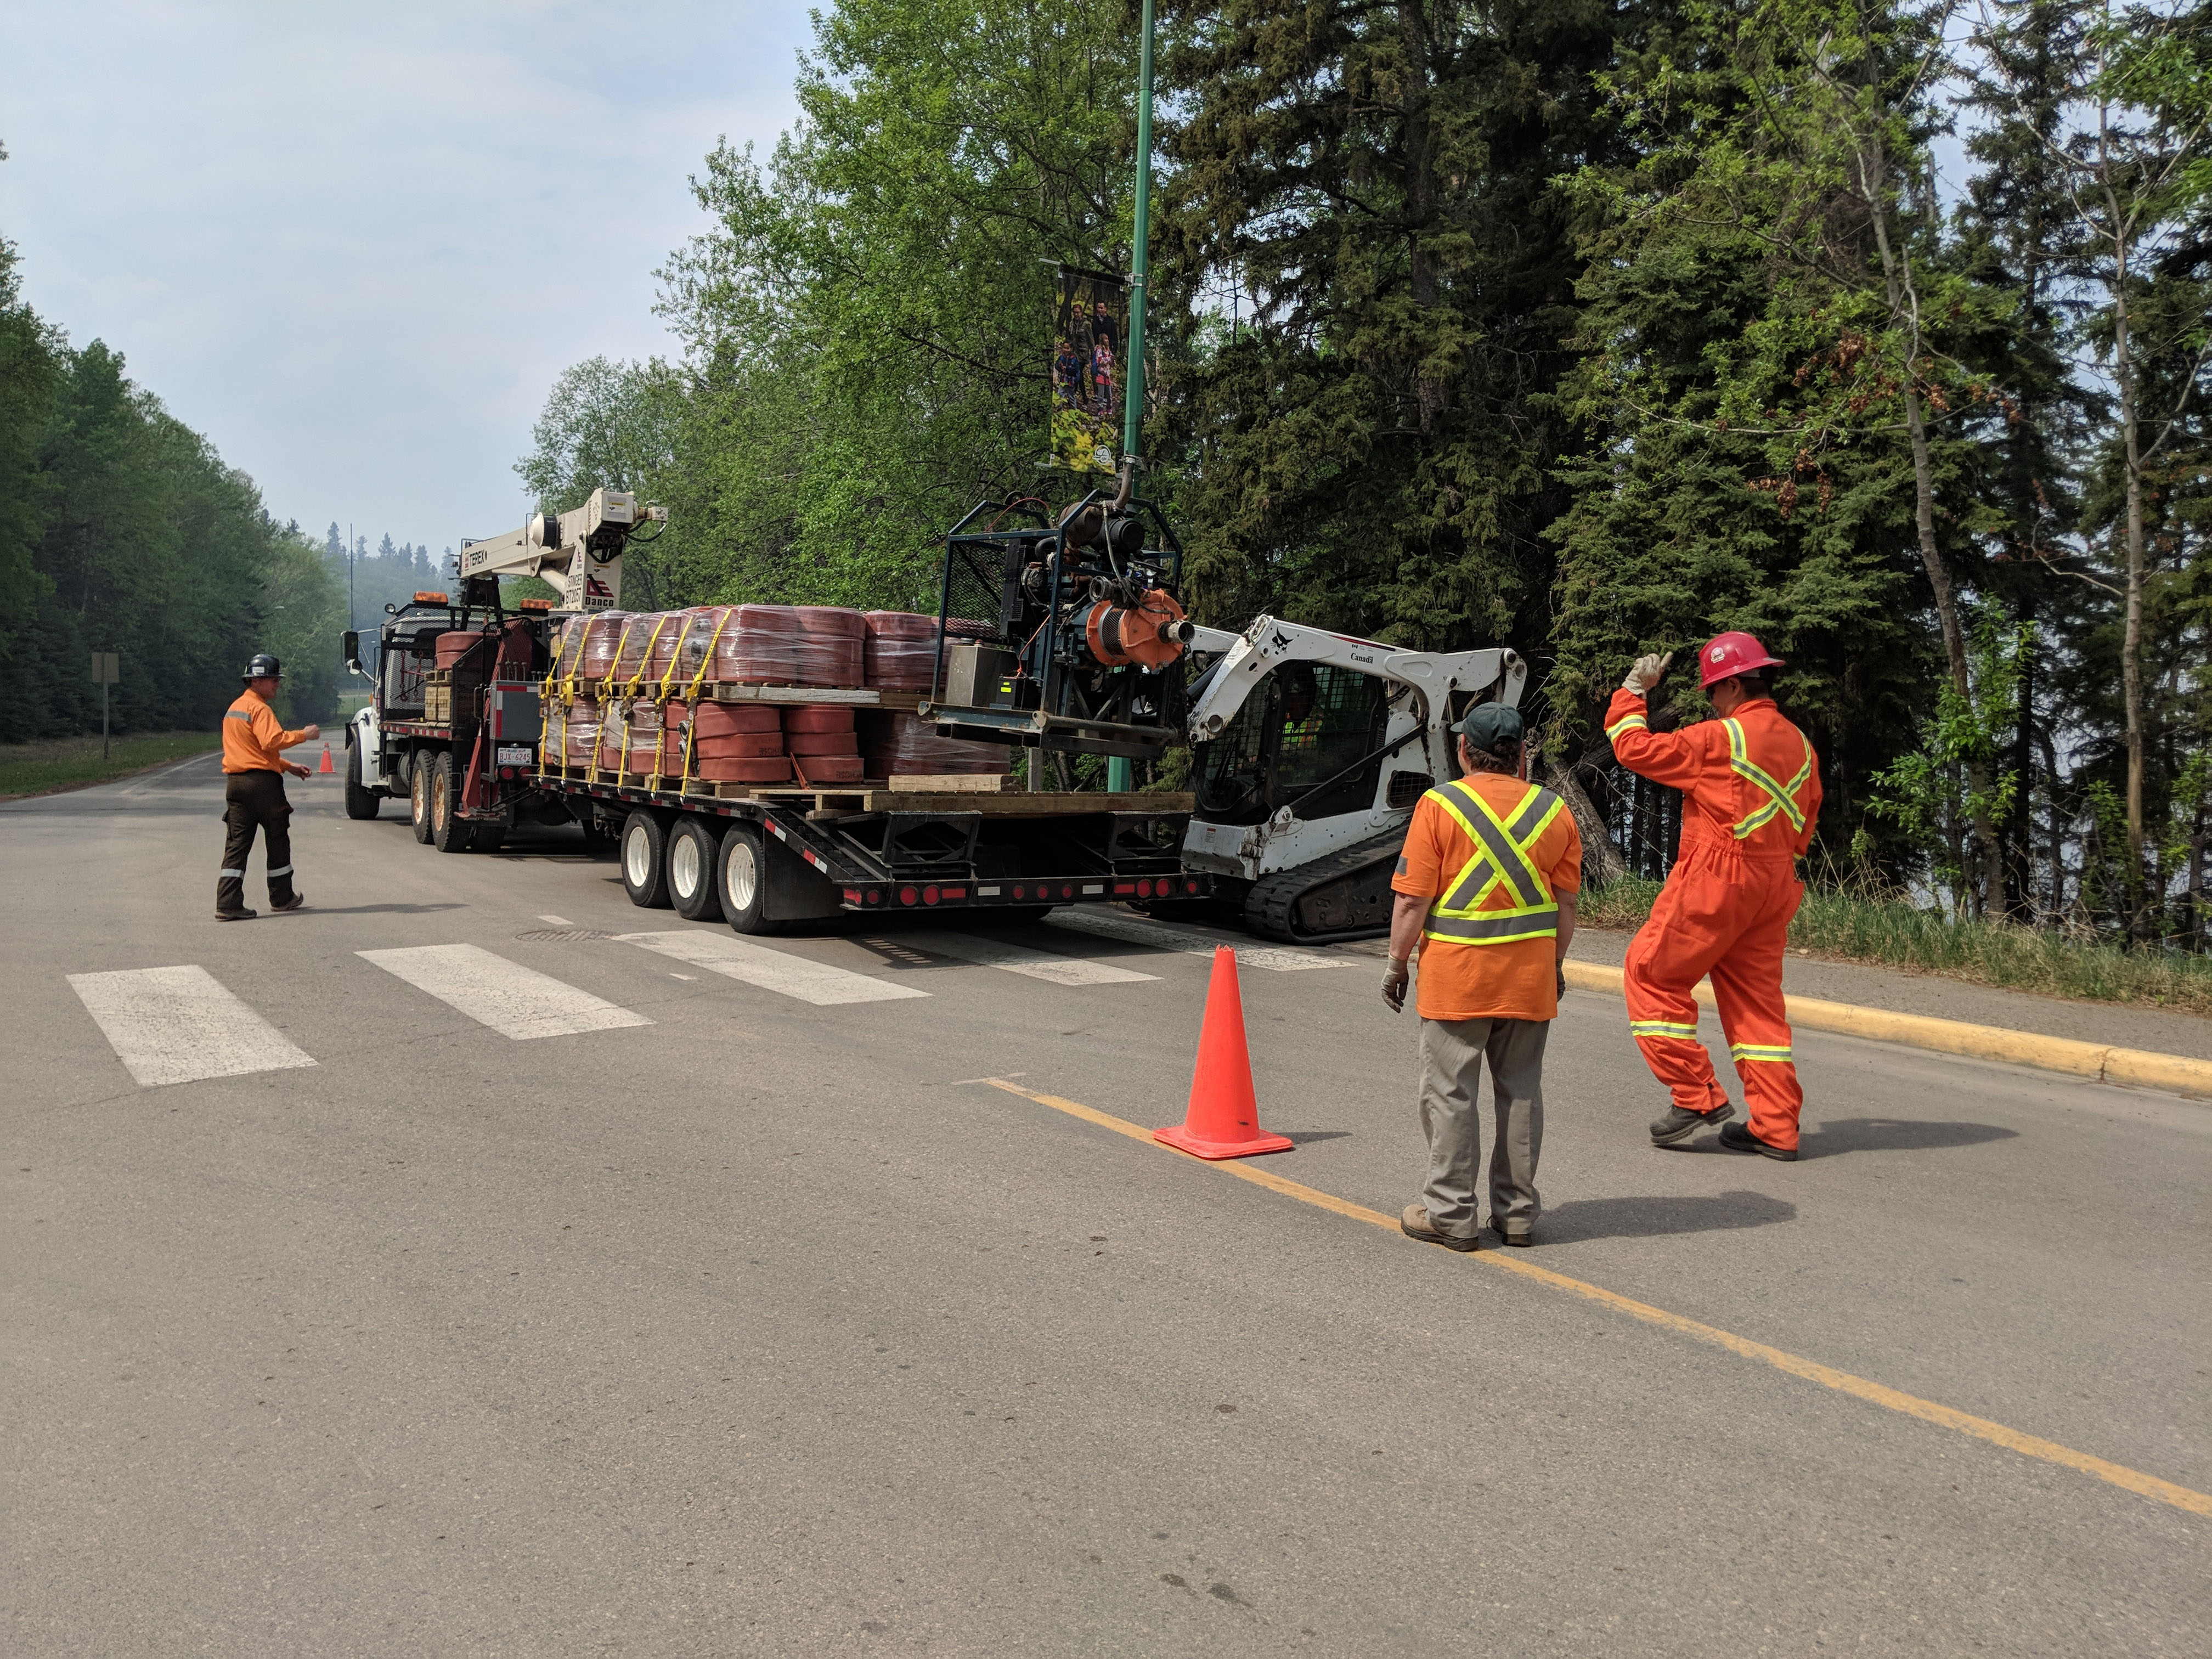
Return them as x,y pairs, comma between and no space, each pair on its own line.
265,667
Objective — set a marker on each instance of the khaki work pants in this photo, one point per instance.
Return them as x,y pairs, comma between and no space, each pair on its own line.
1453,1052
254,801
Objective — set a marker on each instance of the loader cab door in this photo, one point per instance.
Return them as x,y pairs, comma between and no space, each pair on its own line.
1300,739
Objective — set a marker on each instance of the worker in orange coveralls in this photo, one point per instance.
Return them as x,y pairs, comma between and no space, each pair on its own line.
253,765
1751,788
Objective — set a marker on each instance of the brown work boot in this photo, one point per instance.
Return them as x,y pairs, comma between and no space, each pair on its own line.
291,903
1414,1223
236,915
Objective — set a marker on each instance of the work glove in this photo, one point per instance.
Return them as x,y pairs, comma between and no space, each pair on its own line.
1394,986
1561,969
1648,672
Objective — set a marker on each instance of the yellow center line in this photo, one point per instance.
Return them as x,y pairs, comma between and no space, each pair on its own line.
2028,1445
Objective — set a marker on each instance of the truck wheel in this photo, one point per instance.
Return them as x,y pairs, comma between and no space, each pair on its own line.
418,793
449,832
645,861
742,880
360,802
693,884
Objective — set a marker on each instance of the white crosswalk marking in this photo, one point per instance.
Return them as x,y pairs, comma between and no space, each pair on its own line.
179,1025
732,957
1020,959
514,1001
1107,923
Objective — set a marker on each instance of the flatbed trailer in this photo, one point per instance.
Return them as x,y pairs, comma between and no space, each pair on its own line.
465,746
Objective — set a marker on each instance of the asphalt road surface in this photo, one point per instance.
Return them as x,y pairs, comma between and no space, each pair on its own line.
421,1274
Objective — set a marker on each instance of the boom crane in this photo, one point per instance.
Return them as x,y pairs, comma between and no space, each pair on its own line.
583,547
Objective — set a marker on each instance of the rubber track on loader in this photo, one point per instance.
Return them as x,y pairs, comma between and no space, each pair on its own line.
1362,871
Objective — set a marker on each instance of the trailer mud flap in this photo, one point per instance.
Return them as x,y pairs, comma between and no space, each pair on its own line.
791,888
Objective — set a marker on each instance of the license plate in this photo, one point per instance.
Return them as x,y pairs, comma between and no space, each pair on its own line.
514,758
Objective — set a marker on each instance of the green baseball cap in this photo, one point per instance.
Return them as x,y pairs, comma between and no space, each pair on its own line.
1487,725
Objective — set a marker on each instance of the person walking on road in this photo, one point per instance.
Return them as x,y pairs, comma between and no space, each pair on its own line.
1487,890
1751,788
253,767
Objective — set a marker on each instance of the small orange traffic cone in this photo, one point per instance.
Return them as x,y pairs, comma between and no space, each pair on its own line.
1222,1119
327,766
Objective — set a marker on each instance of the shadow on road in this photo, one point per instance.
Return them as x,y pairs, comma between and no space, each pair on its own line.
1894,1134
1657,1218
1304,1137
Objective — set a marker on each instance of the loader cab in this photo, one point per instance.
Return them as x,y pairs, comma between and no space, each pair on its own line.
1309,742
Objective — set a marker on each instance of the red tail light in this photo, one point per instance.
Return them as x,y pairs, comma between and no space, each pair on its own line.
908,895
875,896
929,896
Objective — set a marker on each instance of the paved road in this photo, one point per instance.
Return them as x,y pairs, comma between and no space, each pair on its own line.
736,1317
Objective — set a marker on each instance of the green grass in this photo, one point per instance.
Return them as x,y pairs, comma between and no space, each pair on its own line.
1856,928
41,769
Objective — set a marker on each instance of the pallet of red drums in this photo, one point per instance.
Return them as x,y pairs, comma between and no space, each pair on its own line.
730,699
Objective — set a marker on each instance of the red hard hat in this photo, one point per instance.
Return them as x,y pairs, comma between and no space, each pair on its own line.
1727,655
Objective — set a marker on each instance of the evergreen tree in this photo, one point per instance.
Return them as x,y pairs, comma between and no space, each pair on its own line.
1375,451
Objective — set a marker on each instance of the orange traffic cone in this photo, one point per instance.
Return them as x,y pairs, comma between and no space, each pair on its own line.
1222,1119
327,766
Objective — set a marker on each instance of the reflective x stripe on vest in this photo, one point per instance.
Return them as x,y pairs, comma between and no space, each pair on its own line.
1501,858
1780,797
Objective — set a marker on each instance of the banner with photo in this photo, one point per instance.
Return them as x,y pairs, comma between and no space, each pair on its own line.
1089,330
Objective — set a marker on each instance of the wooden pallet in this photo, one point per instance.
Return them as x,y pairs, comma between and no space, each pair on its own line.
862,697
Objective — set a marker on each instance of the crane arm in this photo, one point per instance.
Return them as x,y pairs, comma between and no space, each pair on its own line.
582,546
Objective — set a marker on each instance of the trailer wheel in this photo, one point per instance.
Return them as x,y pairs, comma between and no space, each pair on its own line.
418,793
360,802
449,831
742,872
645,861
694,882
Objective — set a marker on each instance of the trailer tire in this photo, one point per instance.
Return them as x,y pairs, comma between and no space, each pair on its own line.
360,801
418,793
449,831
741,878
645,860
694,876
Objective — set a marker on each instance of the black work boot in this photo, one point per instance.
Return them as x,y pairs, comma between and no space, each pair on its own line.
239,914
1681,1123
291,903
1738,1138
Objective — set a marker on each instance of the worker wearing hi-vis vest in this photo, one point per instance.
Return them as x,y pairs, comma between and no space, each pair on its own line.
1486,892
253,765
1751,788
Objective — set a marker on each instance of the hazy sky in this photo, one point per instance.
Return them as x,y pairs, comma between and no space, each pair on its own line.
353,243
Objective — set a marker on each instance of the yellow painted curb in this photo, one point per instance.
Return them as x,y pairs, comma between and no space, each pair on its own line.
2137,1067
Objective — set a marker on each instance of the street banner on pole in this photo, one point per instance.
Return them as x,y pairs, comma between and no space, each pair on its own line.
1091,328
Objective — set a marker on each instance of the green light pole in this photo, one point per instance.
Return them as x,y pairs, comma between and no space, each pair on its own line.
1120,776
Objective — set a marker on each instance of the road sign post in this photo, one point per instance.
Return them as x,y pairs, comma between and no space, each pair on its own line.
104,671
